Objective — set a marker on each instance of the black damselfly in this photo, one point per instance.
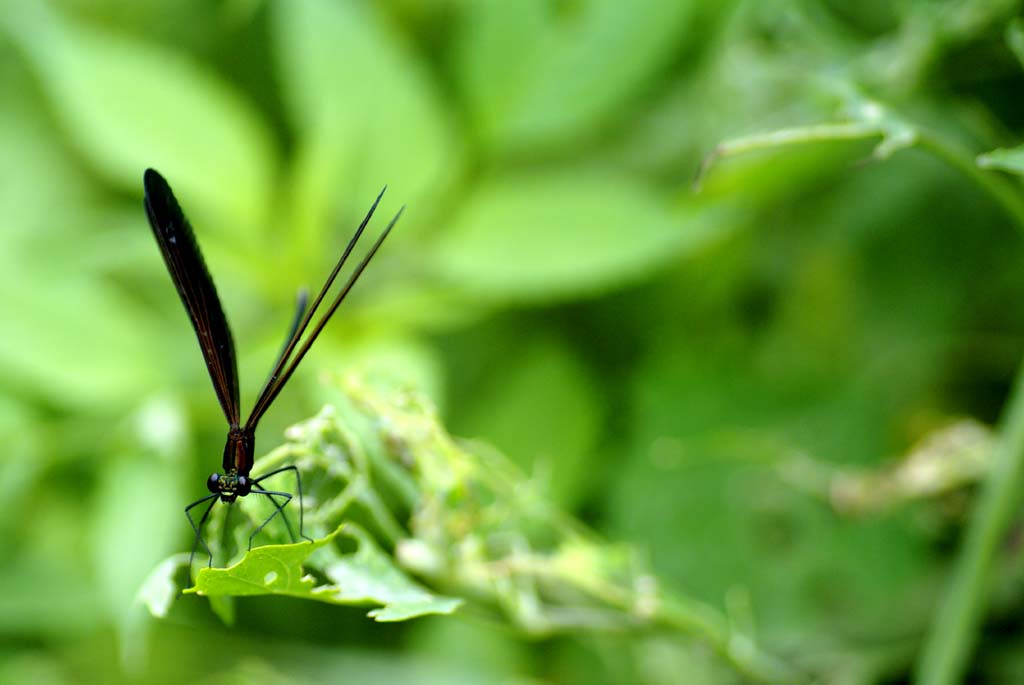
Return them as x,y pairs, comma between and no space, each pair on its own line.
195,286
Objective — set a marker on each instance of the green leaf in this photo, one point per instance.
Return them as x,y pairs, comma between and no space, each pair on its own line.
121,569
365,577
128,104
159,590
864,118
535,72
363,105
271,569
1005,159
558,235
108,361
368,576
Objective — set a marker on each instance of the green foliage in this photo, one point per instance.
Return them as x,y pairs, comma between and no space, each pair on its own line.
128,105
365,577
718,382
331,55
536,72
476,525
613,229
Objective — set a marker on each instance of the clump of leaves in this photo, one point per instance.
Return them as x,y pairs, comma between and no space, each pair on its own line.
391,495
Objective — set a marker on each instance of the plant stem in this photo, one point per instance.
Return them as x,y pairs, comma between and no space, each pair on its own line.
948,647
684,617
693,618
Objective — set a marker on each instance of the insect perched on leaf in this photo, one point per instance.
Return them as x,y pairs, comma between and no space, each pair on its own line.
198,294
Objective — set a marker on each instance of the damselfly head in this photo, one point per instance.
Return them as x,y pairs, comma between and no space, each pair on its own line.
229,486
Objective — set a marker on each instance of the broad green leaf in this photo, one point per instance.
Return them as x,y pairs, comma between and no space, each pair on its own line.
271,569
547,236
364,108
537,72
1005,159
365,577
129,104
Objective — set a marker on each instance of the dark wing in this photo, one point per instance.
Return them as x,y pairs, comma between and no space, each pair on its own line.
198,294
287,362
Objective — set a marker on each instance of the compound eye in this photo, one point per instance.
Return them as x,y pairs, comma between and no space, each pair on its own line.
243,486
213,483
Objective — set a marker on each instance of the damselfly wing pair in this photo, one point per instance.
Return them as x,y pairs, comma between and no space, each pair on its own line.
195,286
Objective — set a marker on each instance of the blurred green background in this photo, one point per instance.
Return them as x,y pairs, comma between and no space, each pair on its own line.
728,379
